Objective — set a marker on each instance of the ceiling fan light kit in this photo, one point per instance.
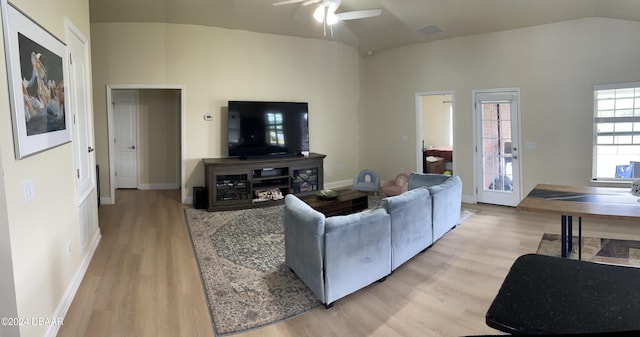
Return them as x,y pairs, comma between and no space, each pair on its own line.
327,13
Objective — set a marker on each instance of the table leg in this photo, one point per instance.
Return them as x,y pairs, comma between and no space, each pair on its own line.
579,238
563,235
570,233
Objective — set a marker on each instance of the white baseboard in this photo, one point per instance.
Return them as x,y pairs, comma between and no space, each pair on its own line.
188,200
72,288
106,201
338,184
164,186
469,199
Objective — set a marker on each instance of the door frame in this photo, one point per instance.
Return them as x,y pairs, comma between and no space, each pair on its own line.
477,146
111,125
419,131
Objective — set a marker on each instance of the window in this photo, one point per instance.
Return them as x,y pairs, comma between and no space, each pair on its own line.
616,132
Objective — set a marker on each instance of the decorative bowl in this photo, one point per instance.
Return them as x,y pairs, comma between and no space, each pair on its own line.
327,194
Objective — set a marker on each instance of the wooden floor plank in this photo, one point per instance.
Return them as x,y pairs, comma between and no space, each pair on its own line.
144,281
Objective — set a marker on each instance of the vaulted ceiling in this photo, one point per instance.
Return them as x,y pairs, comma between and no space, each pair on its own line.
396,26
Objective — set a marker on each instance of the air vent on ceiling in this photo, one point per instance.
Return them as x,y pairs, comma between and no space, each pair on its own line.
428,30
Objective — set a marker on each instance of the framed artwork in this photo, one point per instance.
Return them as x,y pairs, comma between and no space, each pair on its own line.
36,72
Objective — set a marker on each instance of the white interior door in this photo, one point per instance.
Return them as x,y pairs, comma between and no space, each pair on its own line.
497,147
125,111
79,87
80,108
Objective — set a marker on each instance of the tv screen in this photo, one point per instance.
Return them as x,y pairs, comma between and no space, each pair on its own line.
267,129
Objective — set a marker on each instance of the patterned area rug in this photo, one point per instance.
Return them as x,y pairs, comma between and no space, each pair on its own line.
611,251
241,260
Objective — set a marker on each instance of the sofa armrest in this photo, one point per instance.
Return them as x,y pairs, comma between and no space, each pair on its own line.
304,230
357,252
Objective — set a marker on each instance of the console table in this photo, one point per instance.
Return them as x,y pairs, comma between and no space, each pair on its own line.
233,183
570,201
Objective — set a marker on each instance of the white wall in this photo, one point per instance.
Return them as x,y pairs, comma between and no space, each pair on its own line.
217,65
159,138
8,307
40,229
436,122
554,65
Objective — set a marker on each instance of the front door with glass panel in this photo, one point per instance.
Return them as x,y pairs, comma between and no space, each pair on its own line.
497,147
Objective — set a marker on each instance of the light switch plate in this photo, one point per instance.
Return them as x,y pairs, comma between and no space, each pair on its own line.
28,190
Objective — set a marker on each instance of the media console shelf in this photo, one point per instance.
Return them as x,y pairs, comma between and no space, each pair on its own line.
233,183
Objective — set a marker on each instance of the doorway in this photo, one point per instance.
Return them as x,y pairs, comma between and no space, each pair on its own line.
146,137
497,160
434,128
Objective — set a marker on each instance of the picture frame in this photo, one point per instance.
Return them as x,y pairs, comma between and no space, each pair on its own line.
36,73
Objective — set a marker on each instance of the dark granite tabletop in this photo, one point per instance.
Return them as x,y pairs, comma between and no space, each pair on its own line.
551,295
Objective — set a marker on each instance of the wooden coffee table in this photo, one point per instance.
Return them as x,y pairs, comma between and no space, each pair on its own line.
349,201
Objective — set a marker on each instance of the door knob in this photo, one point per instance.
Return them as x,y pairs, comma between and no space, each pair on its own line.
90,149
132,147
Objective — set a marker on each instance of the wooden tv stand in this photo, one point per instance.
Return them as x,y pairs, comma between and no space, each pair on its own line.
234,183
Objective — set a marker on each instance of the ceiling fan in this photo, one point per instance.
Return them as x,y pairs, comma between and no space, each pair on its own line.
326,11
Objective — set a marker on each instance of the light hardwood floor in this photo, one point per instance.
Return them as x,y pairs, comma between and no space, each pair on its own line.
143,279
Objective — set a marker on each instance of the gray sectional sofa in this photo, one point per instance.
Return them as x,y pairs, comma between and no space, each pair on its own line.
446,199
336,256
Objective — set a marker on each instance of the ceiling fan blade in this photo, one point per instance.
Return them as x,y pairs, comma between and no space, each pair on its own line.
367,13
310,2
287,2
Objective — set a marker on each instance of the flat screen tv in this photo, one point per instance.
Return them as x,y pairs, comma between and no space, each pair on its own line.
267,129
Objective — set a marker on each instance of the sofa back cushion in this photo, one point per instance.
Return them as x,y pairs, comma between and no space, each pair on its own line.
426,179
453,182
411,224
357,251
